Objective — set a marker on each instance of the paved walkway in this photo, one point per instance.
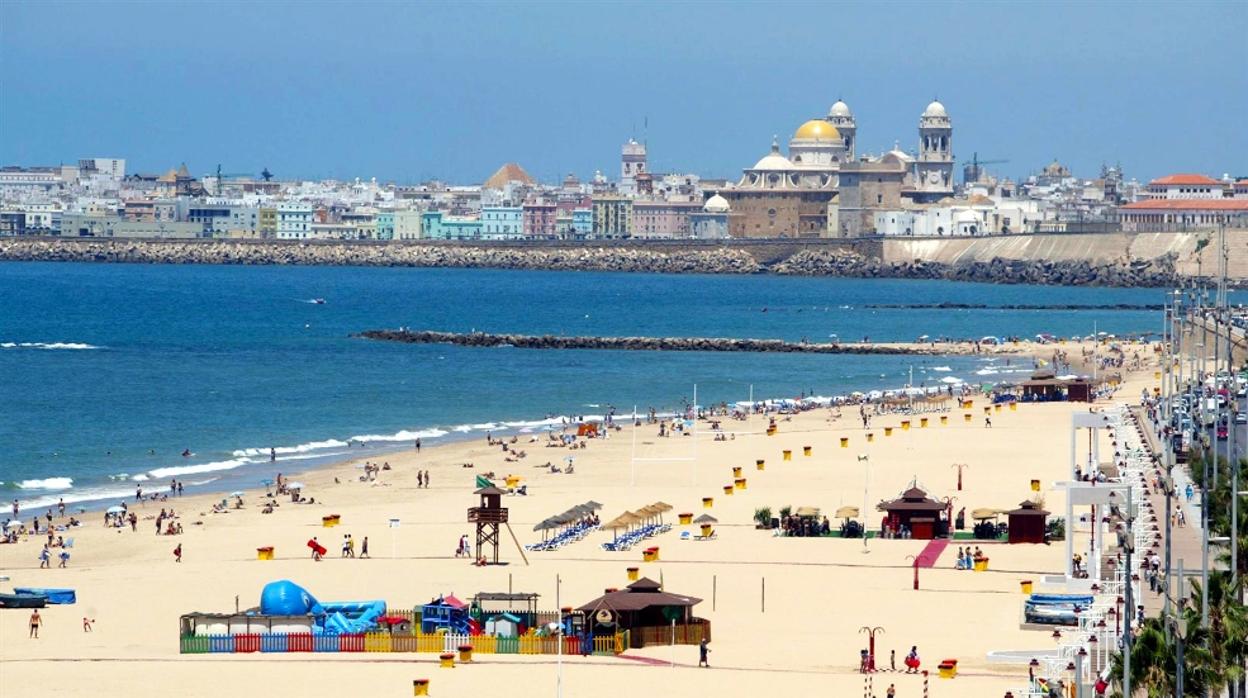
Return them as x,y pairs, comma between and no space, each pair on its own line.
1185,541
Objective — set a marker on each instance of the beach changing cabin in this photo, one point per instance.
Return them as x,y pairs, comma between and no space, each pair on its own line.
1027,523
917,512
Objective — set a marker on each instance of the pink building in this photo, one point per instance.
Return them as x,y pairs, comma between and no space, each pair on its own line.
663,219
539,220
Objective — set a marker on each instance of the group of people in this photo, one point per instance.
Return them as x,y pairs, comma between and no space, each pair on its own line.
967,558
804,526
348,546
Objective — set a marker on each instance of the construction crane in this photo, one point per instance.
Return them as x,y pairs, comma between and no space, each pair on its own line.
221,175
971,172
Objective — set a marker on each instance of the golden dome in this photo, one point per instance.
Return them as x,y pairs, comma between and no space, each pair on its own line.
817,129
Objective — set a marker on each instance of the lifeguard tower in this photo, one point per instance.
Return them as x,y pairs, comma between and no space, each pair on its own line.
488,517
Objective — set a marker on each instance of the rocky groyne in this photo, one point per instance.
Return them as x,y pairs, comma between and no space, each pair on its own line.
1157,272
848,259
521,341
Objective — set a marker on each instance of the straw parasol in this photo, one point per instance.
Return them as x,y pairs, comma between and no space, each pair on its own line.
985,513
706,519
624,520
662,506
846,512
594,506
808,512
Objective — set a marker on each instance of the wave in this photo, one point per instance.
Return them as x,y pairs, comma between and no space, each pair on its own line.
140,478
941,368
987,372
404,435
161,473
79,346
86,495
51,483
952,380
286,450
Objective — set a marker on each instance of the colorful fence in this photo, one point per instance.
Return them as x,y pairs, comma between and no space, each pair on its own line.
430,643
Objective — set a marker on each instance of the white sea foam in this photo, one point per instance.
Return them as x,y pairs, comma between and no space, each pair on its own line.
78,496
987,372
51,483
404,435
197,483
47,345
941,368
951,380
286,450
140,478
161,473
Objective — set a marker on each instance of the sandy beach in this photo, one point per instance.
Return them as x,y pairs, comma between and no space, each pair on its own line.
799,636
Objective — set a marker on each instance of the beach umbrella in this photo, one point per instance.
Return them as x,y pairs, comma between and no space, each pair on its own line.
846,512
594,506
984,513
706,519
115,510
624,520
294,485
662,506
13,524
236,494
809,512
544,525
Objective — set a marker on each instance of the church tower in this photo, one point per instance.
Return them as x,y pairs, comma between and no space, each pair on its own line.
935,165
632,163
843,119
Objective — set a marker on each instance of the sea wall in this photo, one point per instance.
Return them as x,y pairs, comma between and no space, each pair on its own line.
1102,259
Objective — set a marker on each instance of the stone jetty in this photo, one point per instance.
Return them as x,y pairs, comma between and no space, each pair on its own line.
521,341
862,259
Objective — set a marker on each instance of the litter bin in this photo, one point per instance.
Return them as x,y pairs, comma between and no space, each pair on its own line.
944,419
948,668
966,417
420,687
844,442
687,518
465,653
331,520
981,565
740,483
888,431
788,455
728,490
905,425
806,450
447,660
922,422
708,502
265,553
736,471
706,530
1025,585
632,574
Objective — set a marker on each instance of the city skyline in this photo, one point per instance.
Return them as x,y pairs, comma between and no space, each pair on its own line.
397,93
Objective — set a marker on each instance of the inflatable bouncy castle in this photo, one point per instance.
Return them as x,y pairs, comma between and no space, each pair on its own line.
285,598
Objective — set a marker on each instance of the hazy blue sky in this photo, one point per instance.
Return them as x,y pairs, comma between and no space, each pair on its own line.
406,91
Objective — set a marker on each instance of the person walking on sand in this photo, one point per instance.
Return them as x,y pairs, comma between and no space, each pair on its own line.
64,556
892,660
177,553
45,558
703,652
86,624
36,620
426,479
988,422
420,479
892,691
418,445
364,548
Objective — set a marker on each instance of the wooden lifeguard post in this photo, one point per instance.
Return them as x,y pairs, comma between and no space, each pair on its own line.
488,517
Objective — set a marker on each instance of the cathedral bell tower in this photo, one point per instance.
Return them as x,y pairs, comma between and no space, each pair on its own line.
935,165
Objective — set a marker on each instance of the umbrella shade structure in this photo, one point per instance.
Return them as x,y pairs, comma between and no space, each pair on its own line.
294,485
236,494
13,524
115,510
846,512
662,506
808,512
624,520
595,506
985,513
545,525
706,519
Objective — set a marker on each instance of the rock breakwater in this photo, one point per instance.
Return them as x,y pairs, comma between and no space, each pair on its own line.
840,261
521,341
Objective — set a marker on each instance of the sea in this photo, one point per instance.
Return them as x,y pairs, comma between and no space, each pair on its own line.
114,376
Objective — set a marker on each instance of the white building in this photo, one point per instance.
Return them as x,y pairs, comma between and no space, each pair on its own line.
1185,186
294,220
632,163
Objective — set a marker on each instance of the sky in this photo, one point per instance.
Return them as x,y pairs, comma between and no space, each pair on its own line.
406,91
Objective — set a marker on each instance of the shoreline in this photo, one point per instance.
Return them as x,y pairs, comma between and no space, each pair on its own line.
244,476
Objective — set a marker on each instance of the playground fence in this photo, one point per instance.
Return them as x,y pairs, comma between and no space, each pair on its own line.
685,634
429,643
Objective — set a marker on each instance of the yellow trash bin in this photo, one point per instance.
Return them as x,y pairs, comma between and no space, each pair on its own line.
806,450
728,490
996,407
888,431
736,472
633,574
1035,485
264,553
788,455
870,437
513,481
844,442
447,660
758,465
708,502
1013,406
465,653
420,687
331,520
944,419
922,422
686,518
905,425
1025,585
966,417
740,483
981,565
987,409
706,530
771,431
948,668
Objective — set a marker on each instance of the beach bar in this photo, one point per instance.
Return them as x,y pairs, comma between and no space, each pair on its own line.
917,512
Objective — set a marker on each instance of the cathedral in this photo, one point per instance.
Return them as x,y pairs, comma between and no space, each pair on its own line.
822,188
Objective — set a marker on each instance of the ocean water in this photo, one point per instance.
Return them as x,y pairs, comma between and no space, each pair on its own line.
108,373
